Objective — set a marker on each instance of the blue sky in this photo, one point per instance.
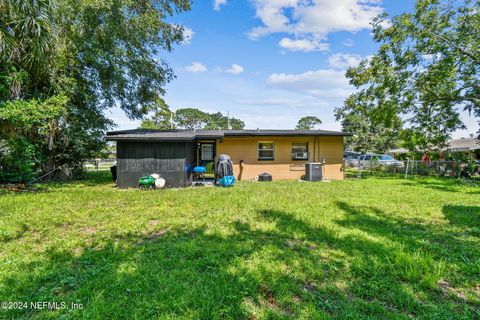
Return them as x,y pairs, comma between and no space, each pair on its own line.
270,62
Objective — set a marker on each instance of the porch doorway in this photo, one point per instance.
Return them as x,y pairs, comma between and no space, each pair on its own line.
206,153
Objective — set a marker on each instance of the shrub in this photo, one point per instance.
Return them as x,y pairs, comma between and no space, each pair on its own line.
18,161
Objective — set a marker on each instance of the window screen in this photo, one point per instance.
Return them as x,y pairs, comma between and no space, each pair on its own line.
265,150
299,147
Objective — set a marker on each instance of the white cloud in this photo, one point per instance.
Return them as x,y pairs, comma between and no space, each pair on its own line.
344,60
348,43
217,4
305,45
268,102
326,83
313,19
187,35
196,67
235,69
300,102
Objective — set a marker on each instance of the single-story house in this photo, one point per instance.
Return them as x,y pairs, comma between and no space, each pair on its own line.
463,145
173,153
468,145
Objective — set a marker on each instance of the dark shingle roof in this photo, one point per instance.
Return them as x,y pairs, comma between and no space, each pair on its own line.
190,135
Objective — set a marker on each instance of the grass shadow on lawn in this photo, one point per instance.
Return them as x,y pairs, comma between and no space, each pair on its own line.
446,184
414,234
463,216
427,250
91,179
440,184
292,270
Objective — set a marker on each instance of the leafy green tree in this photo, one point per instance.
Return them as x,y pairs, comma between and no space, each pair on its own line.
308,123
97,54
191,118
29,129
235,124
114,50
219,121
372,131
161,117
426,69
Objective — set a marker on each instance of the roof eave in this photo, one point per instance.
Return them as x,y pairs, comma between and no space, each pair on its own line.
149,139
267,134
143,135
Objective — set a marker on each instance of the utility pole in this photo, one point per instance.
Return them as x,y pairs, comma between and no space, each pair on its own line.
229,127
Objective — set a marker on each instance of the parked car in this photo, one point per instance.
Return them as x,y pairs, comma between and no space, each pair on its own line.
351,160
368,160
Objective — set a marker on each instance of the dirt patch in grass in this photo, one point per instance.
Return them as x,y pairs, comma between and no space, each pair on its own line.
12,187
296,299
89,230
296,244
153,222
156,234
152,236
476,291
65,226
447,290
268,300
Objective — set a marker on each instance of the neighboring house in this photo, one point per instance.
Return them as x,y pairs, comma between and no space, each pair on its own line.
467,145
173,153
463,145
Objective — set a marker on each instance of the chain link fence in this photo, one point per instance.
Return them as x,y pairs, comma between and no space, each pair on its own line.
356,168
99,164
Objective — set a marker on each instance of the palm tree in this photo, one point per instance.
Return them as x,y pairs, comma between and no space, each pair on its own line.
27,39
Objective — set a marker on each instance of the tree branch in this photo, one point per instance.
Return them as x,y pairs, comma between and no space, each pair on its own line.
460,49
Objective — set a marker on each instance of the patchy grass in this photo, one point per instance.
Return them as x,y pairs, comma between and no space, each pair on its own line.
374,248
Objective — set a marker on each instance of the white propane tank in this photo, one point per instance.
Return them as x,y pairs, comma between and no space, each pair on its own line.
160,183
155,176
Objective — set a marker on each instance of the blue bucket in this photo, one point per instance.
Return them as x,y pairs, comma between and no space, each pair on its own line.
227,181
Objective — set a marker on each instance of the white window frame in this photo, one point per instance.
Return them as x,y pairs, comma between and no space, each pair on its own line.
265,158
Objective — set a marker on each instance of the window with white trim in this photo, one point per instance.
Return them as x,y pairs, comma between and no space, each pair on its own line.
266,150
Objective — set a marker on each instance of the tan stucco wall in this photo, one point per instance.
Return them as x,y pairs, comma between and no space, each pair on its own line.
283,167
331,149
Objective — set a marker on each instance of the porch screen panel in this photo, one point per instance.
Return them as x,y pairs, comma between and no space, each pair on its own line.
207,152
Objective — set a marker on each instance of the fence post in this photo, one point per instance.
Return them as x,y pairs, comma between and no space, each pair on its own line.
406,169
358,167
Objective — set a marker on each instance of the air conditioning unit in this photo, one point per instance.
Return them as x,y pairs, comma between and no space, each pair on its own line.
300,155
313,171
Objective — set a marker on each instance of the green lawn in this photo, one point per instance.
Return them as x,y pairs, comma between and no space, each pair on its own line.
373,248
